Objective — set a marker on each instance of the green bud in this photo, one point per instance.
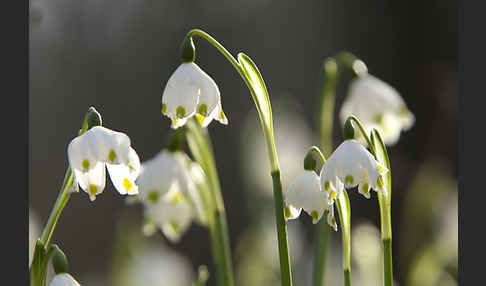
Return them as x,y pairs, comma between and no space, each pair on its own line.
59,260
310,163
348,129
188,50
93,118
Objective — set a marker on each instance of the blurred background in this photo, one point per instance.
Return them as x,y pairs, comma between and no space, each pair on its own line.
117,55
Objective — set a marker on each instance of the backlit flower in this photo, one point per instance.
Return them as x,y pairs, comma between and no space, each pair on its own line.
190,91
169,190
98,147
305,193
351,165
377,105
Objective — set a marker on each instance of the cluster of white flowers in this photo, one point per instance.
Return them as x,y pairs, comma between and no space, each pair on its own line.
349,166
378,105
169,186
190,91
98,147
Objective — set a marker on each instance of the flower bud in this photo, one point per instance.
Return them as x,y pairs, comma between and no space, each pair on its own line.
59,260
188,50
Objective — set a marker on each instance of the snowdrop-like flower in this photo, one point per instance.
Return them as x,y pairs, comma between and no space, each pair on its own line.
378,105
351,165
64,279
305,193
190,91
158,174
98,147
168,186
172,213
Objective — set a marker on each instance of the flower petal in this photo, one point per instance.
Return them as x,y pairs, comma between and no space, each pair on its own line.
93,181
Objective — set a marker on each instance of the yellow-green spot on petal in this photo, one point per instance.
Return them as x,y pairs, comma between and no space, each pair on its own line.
93,189
153,196
349,179
200,118
333,195
366,188
314,215
327,185
180,111
365,176
127,184
333,221
222,115
203,109
174,225
287,212
177,198
378,118
112,156
164,108
86,164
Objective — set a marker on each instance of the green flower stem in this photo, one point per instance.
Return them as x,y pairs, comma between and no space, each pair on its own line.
90,118
379,151
344,210
285,269
59,205
330,74
388,265
201,148
325,123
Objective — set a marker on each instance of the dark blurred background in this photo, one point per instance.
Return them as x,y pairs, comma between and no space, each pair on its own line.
116,56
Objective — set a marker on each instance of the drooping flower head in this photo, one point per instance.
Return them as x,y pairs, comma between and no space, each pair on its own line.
305,193
378,105
349,166
169,191
190,91
98,147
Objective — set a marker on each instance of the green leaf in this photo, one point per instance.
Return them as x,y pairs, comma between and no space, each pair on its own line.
38,268
344,211
379,150
382,156
258,89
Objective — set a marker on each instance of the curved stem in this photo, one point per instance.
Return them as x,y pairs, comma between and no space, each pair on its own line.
285,267
363,131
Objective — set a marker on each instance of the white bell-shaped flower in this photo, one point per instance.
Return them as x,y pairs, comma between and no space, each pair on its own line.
305,193
99,146
159,174
352,165
172,213
169,186
191,91
64,279
378,105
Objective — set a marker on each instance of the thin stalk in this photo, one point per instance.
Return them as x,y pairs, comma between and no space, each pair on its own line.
379,151
285,268
201,148
59,205
325,123
344,210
